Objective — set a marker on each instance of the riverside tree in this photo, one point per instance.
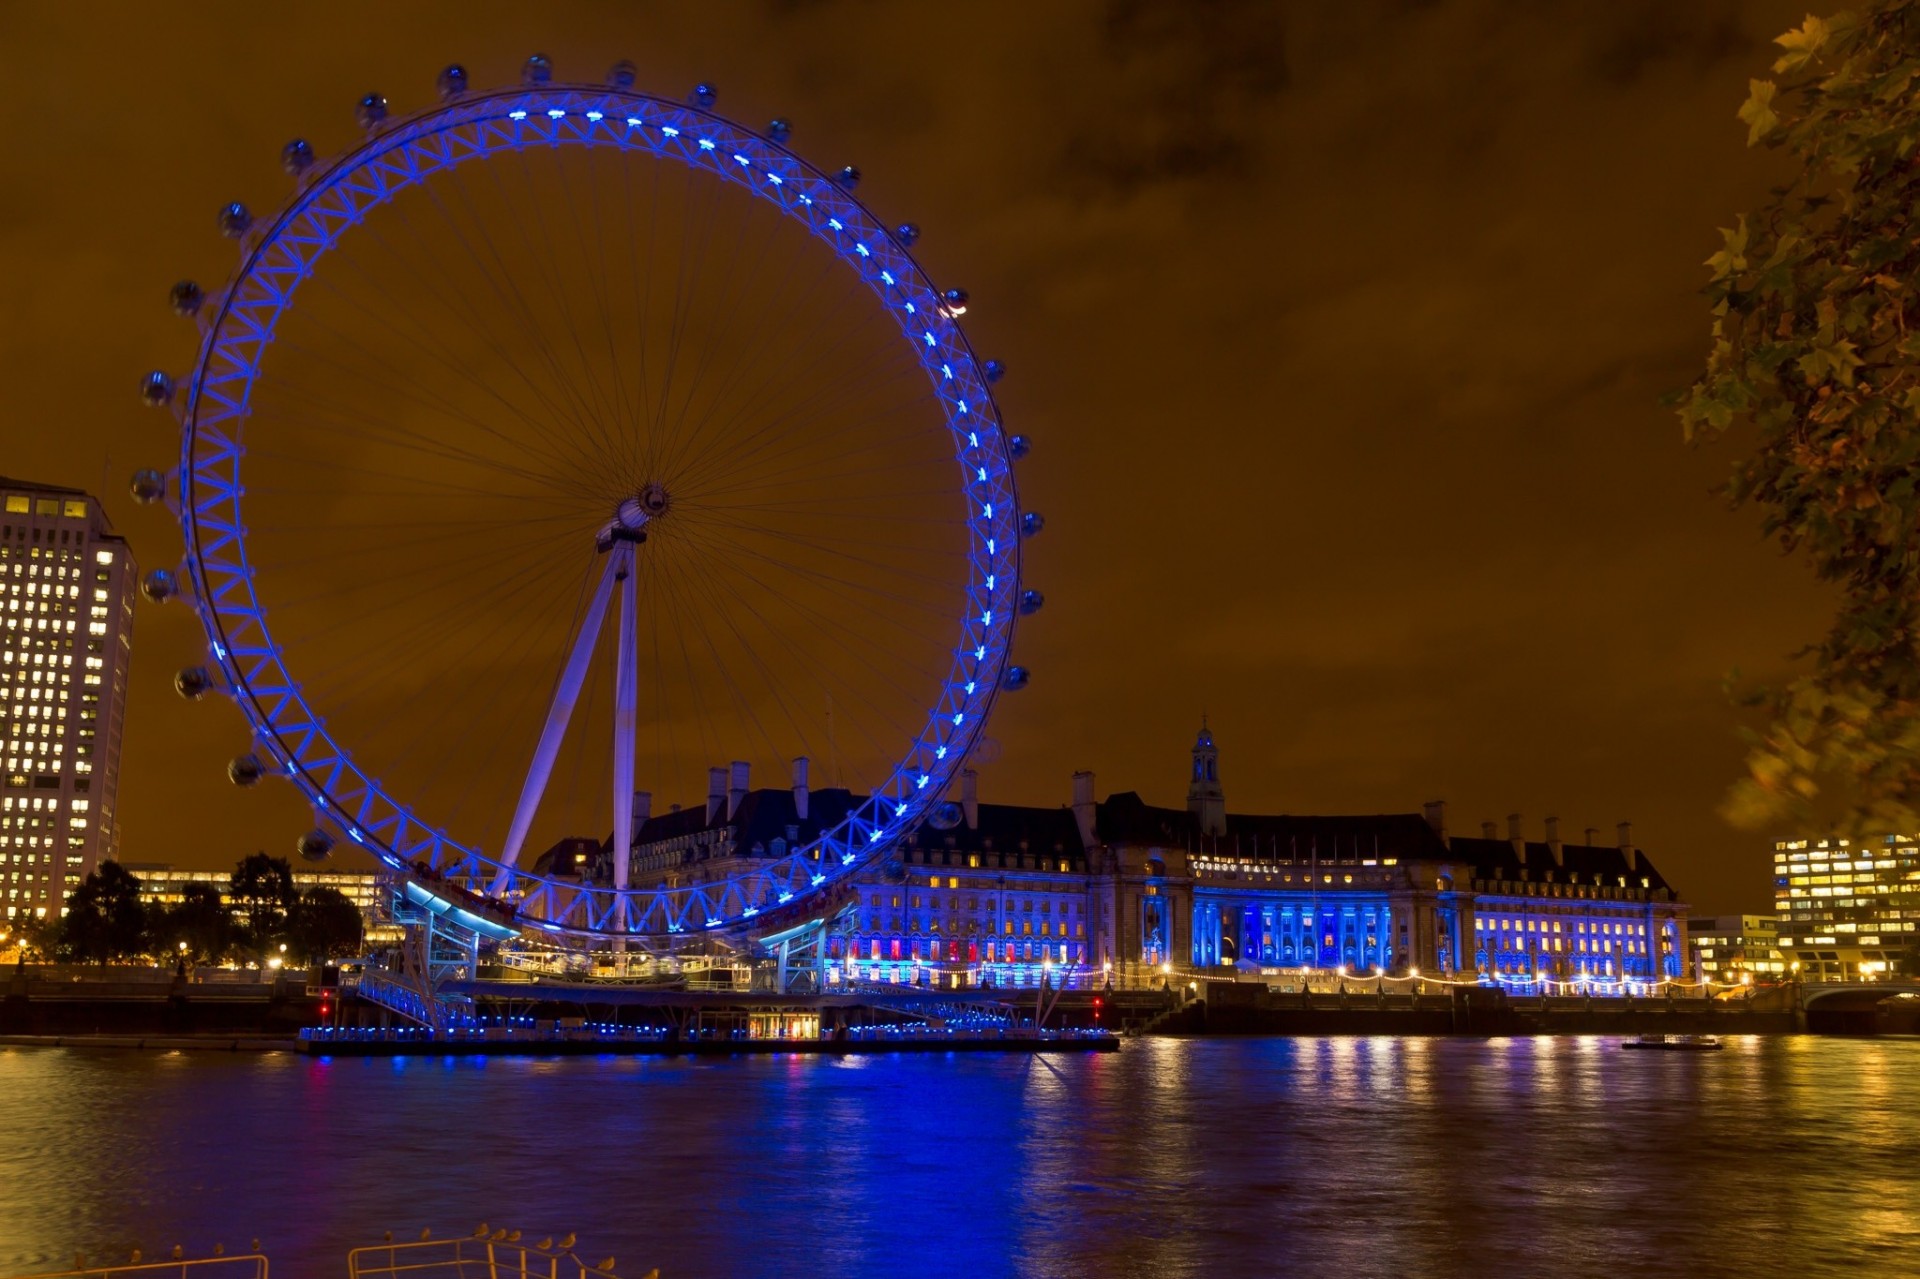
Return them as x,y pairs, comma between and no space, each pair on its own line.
105,918
323,925
203,922
1815,371
261,892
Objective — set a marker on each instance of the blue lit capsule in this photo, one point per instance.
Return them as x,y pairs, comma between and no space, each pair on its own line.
1015,679
156,389
192,683
296,157
780,130
452,82
954,301
1018,447
185,298
994,370
945,815
621,75
370,111
159,586
245,770
1031,602
907,233
704,95
1032,522
234,220
536,70
848,177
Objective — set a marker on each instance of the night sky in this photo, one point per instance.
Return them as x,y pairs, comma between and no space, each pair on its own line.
1340,331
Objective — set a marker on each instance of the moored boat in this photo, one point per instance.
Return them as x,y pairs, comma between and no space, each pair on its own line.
1675,1043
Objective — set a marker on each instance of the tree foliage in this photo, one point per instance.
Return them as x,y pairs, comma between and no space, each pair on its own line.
261,893
105,919
1815,364
202,920
323,925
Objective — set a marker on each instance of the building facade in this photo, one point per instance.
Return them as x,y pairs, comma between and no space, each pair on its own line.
1736,949
1848,912
1124,890
161,886
67,585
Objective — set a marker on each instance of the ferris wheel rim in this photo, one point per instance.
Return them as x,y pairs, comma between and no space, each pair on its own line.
293,733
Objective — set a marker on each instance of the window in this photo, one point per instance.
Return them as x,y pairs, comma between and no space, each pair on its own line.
16,504
75,508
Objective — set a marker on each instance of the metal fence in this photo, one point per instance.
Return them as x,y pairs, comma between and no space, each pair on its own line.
250,1265
479,1256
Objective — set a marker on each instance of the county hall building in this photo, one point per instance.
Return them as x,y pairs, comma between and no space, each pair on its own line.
1118,887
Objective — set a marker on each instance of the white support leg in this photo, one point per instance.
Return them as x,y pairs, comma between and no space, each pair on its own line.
626,679
558,715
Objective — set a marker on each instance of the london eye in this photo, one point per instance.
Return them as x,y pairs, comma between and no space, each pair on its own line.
609,442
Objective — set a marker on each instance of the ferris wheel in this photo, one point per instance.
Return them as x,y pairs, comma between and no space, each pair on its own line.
610,442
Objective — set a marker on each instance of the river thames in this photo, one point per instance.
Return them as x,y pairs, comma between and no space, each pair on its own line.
1561,1156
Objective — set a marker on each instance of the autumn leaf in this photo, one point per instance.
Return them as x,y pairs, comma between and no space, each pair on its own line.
1801,44
1757,111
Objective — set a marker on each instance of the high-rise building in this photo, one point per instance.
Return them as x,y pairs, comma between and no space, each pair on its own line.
1732,949
66,585
1848,911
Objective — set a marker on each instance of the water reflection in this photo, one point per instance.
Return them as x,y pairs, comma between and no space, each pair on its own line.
1174,1157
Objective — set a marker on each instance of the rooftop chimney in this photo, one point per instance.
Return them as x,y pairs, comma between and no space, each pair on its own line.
716,794
1436,810
737,788
1553,842
1593,836
1489,831
970,797
642,809
800,788
1083,806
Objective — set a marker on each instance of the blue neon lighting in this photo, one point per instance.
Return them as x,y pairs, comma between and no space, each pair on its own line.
471,129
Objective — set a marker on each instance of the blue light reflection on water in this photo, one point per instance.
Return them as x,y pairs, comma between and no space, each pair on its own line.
1214,1157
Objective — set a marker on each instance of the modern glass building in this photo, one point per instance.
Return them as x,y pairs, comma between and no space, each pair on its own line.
1732,949
66,585
1848,911
161,886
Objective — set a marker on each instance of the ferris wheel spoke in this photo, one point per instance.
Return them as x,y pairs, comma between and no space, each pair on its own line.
718,581
686,428
717,564
508,293
682,303
779,315
808,422
337,423
600,411
811,478
440,353
794,412
640,278
624,432
499,652
693,593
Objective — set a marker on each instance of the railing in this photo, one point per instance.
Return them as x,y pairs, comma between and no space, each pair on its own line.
403,999
250,1265
479,1256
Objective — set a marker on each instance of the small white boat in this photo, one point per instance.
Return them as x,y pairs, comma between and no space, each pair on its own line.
1675,1043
